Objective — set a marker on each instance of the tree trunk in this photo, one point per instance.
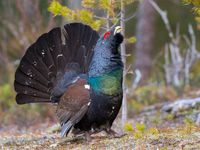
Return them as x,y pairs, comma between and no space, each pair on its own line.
145,38
74,4
123,53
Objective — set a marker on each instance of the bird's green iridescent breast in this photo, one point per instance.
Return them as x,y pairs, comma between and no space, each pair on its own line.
109,84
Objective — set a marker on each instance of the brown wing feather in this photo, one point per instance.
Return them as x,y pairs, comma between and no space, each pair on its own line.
73,105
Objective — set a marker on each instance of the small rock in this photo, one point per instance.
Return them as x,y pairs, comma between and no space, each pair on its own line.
198,119
54,145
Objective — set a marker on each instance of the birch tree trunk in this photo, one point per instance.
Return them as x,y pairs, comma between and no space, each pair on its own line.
145,38
74,4
123,53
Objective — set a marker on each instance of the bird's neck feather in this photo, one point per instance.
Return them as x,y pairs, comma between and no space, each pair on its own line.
104,60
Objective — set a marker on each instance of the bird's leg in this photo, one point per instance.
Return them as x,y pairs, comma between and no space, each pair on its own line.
83,134
113,134
87,136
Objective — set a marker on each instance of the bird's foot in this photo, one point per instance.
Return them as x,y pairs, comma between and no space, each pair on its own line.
65,140
61,141
87,136
112,134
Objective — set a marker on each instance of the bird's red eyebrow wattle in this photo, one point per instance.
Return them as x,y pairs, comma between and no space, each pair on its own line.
106,35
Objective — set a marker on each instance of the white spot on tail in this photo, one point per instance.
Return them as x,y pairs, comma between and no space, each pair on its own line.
34,63
42,52
59,55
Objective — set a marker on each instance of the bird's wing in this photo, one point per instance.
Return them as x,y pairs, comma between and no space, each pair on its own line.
73,104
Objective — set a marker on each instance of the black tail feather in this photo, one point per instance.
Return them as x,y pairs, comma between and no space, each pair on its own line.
82,39
48,60
23,80
32,72
31,59
55,46
24,99
43,52
30,91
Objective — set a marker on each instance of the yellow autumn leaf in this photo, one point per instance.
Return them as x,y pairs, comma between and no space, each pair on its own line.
55,7
89,3
132,39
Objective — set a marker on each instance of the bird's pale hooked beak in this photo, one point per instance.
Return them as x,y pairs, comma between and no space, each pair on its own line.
118,29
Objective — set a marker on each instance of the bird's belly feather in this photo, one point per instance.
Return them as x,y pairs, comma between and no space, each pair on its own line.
106,100
102,111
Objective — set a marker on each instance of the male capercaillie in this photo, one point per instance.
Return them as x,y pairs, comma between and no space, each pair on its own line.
82,74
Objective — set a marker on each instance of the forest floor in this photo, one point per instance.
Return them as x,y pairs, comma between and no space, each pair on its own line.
150,129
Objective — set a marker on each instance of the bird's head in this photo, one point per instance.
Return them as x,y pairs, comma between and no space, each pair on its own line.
117,30
113,38
113,34
106,52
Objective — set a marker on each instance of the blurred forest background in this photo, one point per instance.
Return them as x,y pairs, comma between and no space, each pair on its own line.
162,55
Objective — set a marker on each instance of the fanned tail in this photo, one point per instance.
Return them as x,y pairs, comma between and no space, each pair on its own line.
50,64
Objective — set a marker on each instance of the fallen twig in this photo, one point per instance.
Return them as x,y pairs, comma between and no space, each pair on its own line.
180,105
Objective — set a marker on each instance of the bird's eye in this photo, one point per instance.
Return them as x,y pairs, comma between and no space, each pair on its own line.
106,35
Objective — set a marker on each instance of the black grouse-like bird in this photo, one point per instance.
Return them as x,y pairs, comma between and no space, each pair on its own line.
82,73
